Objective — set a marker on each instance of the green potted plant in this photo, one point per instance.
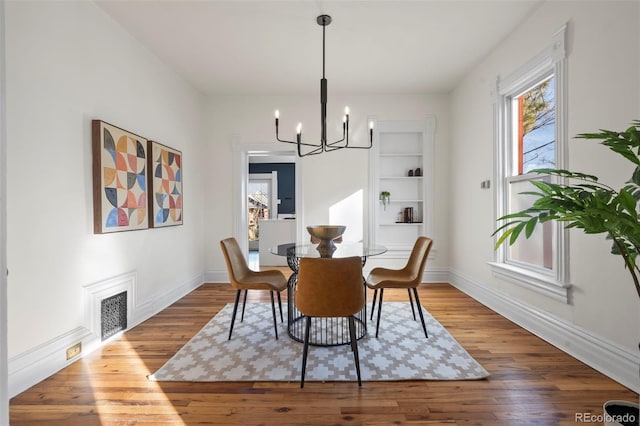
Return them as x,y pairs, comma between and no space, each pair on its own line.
585,203
385,196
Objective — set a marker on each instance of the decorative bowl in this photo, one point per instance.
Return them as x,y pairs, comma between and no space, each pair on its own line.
326,232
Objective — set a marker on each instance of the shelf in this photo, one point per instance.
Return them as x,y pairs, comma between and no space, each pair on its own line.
402,224
403,201
402,177
408,154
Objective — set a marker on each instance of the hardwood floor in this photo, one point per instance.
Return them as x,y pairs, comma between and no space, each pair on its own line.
531,382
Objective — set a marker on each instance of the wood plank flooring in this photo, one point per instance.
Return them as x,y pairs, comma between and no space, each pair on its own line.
531,382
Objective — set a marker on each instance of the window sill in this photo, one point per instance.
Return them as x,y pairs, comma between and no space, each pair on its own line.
533,281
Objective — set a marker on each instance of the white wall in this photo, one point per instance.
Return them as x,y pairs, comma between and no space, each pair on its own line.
327,179
68,63
603,92
4,370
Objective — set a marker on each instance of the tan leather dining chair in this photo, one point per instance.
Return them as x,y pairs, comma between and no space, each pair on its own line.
408,277
243,278
327,288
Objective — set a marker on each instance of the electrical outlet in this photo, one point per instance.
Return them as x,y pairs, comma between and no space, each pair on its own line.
74,350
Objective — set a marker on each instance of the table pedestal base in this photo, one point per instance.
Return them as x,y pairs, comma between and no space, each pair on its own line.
324,331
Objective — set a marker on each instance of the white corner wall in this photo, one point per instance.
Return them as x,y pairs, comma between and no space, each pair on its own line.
4,364
66,64
328,179
600,325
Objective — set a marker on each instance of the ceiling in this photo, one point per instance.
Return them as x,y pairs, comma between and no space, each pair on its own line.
275,47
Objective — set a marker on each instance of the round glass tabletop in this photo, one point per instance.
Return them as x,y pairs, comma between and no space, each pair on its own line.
345,249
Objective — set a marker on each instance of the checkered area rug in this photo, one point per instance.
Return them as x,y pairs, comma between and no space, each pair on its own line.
401,352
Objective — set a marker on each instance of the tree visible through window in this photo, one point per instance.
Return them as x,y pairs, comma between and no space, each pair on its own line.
536,127
258,202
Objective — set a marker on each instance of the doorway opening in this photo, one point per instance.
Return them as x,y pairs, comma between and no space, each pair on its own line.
271,214
268,201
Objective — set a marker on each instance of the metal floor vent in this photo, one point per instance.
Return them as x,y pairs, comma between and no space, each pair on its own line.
113,315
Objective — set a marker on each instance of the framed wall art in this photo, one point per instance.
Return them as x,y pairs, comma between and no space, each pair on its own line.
120,164
165,185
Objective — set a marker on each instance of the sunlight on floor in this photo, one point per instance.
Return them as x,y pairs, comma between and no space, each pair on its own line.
153,402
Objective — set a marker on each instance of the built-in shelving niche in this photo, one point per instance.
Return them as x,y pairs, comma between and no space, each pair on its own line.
401,162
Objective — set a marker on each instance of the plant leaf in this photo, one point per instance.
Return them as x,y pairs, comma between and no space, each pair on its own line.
516,231
531,225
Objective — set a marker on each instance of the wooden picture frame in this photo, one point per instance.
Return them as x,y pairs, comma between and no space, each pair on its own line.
165,185
120,164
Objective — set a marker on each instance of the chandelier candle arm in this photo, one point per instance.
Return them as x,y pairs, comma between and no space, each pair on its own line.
324,146
277,114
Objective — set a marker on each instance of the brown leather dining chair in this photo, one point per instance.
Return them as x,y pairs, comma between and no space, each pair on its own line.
408,277
243,278
327,288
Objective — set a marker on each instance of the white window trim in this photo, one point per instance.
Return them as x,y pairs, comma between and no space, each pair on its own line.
552,59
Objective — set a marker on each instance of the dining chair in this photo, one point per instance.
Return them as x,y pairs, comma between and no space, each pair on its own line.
243,278
408,277
329,288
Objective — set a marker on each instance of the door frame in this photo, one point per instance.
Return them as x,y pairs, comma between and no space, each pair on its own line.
241,153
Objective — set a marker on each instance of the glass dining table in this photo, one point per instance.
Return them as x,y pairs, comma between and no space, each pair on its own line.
324,331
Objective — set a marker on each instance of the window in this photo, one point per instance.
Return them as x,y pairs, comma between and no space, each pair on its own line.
529,126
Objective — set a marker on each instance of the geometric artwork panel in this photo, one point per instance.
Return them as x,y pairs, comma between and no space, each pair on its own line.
165,183
120,195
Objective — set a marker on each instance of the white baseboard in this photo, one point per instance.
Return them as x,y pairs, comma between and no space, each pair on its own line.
149,308
608,358
435,275
216,276
35,365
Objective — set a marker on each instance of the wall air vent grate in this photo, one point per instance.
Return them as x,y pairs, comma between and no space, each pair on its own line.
113,314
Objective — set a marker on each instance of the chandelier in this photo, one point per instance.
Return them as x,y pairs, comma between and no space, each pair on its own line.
324,146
